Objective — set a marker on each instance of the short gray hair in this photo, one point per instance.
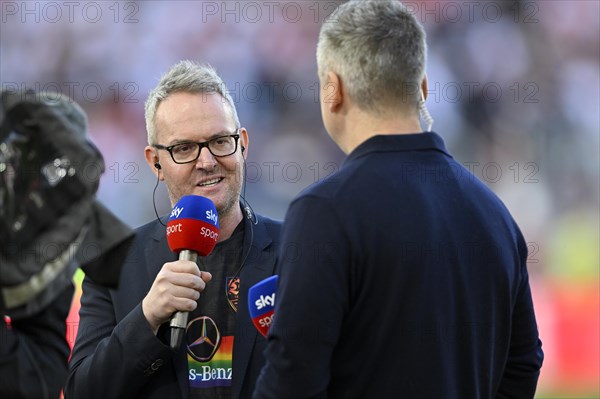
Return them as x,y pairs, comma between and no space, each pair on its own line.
188,77
379,50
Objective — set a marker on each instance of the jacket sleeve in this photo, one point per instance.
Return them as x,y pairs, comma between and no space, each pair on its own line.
110,359
525,356
34,352
312,300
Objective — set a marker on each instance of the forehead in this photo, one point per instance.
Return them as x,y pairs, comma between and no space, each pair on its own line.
192,116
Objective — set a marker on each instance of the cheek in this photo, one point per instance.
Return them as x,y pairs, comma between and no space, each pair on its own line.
233,166
177,177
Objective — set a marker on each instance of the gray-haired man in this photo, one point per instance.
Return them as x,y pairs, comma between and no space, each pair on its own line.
196,145
411,278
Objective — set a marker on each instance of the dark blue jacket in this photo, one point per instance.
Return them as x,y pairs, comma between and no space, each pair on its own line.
116,355
403,276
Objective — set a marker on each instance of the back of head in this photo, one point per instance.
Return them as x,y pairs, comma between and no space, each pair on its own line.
189,77
379,50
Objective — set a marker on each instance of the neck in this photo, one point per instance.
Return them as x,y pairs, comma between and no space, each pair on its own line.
229,221
361,126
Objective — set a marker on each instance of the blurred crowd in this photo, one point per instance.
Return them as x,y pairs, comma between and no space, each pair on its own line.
514,90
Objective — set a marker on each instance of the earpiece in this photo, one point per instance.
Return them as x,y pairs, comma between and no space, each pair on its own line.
425,113
243,149
157,166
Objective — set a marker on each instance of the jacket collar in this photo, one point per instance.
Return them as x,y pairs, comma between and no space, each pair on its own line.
399,142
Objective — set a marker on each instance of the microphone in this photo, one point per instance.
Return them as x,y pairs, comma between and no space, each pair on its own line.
261,303
192,230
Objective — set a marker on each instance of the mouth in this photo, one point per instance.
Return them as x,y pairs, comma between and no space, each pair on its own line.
211,182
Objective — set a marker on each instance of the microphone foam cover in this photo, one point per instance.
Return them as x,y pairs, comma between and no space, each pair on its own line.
261,303
193,225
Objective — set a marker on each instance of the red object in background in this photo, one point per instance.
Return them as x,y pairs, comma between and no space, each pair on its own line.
8,322
577,329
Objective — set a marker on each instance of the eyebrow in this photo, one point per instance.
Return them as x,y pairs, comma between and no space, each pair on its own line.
212,136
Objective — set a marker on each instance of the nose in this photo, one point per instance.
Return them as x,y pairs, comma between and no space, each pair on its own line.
206,160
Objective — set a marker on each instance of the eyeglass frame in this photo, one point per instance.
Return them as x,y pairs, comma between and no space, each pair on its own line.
201,145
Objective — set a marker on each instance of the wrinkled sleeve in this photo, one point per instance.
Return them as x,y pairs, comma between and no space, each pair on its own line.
525,356
111,360
311,301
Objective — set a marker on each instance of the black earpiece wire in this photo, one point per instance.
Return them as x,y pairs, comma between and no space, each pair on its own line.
154,197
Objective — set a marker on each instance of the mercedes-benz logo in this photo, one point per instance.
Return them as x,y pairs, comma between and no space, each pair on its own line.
203,338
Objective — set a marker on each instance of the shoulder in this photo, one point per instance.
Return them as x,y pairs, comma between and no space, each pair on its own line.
325,188
272,226
338,188
150,228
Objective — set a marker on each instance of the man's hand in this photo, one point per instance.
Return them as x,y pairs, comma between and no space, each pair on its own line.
176,288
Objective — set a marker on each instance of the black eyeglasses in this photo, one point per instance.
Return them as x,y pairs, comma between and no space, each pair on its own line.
187,152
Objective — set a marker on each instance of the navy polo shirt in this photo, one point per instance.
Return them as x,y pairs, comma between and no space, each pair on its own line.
403,276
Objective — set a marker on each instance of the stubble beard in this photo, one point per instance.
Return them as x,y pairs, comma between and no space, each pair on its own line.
232,199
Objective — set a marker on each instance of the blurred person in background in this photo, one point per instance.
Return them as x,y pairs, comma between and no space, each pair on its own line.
34,351
50,224
410,275
196,145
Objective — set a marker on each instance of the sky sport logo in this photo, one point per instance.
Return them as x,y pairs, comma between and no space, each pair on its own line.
210,215
265,300
176,212
193,225
176,228
204,232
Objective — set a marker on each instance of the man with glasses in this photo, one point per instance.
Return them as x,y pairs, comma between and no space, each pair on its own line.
196,145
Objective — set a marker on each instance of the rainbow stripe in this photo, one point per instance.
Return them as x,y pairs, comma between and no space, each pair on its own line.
217,371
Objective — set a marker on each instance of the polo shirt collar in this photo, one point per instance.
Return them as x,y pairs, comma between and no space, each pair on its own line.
399,142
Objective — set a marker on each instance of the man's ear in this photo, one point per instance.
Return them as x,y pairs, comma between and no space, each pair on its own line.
332,93
152,161
424,88
244,141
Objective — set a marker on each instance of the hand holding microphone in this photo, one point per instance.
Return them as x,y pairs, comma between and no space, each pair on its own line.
192,230
177,287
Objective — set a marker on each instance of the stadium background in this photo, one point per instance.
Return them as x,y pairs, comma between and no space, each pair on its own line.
514,92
